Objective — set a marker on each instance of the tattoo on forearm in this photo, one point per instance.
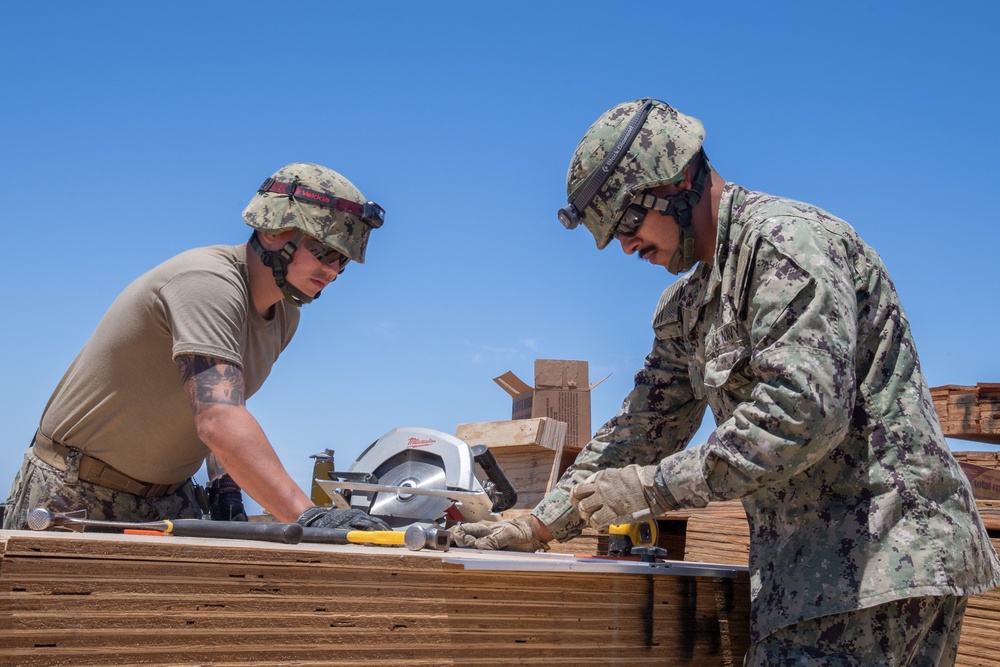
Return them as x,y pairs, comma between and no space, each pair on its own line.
209,381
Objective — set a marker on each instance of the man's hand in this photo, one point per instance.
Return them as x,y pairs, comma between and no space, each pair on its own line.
225,500
616,494
324,517
520,534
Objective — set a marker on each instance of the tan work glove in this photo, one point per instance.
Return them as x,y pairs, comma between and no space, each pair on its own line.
615,495
517,534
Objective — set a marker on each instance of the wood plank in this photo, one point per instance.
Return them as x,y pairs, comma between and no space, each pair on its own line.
119,600
538,432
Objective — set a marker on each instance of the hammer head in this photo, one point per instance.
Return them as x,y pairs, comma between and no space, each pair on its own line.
42,519
419,537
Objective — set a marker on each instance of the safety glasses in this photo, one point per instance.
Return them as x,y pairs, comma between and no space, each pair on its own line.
630,222
324,253
635,214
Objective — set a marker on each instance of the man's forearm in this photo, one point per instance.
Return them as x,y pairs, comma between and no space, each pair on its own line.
241,446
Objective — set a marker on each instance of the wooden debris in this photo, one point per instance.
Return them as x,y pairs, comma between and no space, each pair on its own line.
969,412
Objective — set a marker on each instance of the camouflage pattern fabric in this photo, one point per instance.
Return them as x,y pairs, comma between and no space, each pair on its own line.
664,146
343,231
38,484
916,632
795,338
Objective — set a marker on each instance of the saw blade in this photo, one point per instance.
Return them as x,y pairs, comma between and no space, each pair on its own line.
411,474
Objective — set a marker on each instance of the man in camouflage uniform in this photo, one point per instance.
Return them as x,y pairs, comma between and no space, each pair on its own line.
865,540
163,382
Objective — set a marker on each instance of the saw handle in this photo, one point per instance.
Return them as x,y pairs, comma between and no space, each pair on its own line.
287,533
507,496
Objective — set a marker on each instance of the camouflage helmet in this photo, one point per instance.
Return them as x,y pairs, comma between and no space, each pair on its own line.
663,146
318,202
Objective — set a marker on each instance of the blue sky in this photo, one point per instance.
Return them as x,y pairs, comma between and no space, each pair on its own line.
133,131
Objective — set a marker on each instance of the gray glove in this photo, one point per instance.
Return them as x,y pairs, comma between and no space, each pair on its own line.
508,534
615,495
325,517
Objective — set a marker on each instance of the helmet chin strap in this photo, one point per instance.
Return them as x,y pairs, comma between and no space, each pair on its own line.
683,257
682,207
278,261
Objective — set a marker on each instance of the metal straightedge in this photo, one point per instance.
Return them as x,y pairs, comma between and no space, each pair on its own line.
505,561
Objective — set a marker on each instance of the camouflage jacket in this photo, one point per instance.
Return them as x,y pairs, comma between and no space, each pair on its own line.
794,336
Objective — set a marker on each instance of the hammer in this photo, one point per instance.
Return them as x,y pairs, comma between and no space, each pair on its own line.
415,538
289,533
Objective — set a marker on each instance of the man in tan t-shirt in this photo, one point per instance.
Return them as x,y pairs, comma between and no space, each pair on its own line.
162,384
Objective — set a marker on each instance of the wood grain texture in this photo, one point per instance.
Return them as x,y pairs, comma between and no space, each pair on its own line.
121,600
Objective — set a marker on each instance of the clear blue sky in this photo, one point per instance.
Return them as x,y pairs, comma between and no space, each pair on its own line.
135,130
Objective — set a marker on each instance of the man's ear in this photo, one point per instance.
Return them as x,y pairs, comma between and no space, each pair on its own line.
685,181
275,241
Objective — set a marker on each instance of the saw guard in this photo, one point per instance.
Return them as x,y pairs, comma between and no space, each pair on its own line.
423,465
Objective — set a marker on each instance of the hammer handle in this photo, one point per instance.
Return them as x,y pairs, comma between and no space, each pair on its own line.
343,536
288,533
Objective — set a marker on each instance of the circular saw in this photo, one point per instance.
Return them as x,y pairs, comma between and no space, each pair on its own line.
418,475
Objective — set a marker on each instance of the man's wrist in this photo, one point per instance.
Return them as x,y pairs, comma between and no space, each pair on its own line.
664,499
541,530
311,515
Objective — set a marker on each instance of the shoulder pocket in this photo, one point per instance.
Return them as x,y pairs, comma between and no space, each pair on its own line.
667,320
727,353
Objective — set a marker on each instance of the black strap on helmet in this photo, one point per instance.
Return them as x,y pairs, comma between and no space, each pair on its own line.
370,213
681,206
571,215
278,261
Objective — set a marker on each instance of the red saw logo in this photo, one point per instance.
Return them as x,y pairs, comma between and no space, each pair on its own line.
417,442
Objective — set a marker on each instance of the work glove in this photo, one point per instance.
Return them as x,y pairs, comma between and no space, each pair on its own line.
225,500
615,495
508,534
353,519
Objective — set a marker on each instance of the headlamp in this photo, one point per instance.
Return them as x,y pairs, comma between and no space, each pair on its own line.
370,213
571,215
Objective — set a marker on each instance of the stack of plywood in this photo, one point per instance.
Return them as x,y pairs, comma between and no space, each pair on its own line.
532,452
719,533
93,599
969,412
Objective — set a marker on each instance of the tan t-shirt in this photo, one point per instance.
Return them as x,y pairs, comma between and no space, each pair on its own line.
121,400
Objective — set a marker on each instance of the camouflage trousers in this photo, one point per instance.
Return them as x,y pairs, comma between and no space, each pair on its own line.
38,484
915,632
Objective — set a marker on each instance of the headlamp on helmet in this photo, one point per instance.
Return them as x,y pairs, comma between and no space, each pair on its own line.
571,215
632,148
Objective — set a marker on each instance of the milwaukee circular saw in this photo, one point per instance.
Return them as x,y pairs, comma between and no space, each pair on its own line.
414,475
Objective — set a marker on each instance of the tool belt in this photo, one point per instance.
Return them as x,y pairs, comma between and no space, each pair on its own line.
98,472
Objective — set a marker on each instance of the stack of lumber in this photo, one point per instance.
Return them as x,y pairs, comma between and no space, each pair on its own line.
532,452
97,599
969,412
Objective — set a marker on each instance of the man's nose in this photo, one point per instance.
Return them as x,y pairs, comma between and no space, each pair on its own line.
332,270
630,244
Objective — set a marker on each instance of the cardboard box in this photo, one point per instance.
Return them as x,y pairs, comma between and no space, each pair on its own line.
561,392
985,481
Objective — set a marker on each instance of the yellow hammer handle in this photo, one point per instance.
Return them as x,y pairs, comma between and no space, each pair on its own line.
375,537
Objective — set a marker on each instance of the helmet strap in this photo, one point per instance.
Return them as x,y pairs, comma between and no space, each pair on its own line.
278,261
682,209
